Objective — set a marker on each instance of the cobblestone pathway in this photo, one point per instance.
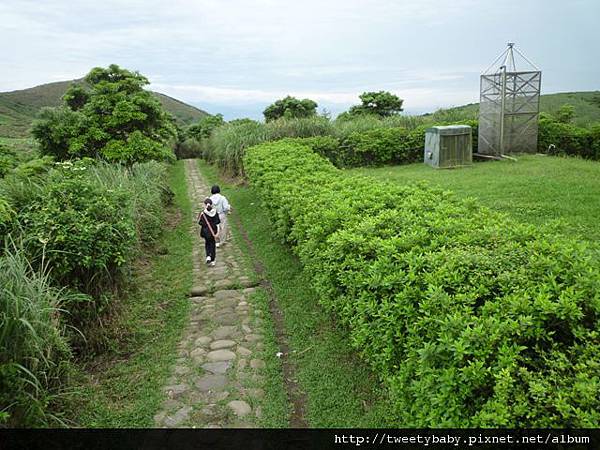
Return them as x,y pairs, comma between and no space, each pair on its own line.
217,380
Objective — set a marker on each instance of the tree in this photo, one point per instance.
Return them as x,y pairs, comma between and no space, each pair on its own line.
110,117
205,126
382,104
290,107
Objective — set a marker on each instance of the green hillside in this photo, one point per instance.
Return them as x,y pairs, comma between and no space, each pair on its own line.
587,106
19,108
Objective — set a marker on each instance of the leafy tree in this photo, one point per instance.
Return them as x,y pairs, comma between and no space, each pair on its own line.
565,113
110,117
380,103
205,126
290,107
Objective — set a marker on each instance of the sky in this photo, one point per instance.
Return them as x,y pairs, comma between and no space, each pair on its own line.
235,57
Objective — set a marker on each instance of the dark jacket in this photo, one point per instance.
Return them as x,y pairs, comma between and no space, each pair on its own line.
204,230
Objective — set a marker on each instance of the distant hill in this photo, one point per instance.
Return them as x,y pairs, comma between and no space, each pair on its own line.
587,106
19,108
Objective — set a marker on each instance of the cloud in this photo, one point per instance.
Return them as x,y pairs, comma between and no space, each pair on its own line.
242,51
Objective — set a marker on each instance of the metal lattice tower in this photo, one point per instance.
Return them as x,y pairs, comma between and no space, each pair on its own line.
509,106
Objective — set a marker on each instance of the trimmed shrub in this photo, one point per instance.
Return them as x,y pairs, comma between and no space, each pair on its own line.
472,319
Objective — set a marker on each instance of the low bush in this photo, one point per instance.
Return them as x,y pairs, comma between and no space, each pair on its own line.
472,320
228,143
326,146
558,138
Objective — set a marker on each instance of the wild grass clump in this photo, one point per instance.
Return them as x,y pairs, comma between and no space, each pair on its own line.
35,358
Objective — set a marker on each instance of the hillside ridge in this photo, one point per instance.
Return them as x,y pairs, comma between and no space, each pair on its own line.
19,108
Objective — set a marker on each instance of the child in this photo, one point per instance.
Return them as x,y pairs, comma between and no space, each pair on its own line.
223,208
209,230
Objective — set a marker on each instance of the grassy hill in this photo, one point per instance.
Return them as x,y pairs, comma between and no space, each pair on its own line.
587,106
19,108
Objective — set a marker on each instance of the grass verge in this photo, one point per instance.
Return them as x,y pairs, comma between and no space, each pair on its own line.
341,391
124,387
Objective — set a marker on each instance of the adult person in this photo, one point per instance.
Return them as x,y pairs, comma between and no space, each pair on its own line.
223,208
209,223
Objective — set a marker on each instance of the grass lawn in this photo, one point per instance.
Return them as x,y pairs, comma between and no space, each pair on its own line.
535,189
340,390
123,388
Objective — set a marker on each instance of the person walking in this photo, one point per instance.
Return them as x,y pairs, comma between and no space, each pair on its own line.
209,222
223,208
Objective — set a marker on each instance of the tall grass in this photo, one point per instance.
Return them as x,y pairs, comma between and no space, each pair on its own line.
34,354
146,184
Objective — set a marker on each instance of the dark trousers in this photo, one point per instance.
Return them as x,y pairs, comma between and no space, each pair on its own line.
211,247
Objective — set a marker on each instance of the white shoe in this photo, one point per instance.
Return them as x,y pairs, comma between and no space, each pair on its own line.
218,244
213,263
208,260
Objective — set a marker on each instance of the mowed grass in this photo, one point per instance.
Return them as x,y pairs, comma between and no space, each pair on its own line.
340,389
564,192
124,387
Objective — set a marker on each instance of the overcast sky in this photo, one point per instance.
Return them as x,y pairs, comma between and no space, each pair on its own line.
237,56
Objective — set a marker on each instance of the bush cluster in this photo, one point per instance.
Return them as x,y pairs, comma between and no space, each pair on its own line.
470,318
77,225
84,221
560,138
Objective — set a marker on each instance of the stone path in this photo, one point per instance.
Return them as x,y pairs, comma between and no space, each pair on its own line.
217,380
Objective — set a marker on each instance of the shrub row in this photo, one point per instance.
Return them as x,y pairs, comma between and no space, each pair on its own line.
377,146
470,318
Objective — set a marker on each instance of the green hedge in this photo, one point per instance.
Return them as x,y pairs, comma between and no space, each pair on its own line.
557,138
377,146
470,318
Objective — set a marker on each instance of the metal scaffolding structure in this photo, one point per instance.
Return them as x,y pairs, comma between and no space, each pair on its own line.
509,106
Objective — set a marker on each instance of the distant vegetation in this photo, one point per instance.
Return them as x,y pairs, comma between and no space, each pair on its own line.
290,108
